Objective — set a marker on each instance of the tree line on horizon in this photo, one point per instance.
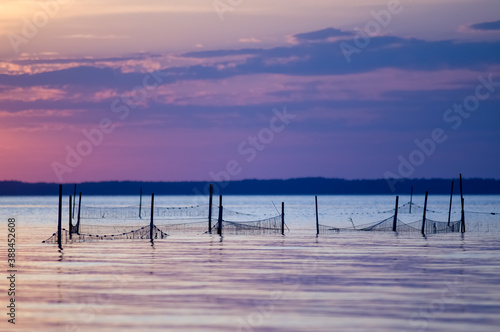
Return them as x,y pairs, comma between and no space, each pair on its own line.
299,186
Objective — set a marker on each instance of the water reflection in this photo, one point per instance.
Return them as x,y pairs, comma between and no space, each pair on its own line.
301,282
262,283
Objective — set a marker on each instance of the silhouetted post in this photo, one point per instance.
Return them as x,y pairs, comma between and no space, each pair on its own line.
451,201
151,224
210,209
411,198
282,218
219,225
74,202
395,222
70,207
78,220
462,202
463,218
425,210
140,203
317,218
59,219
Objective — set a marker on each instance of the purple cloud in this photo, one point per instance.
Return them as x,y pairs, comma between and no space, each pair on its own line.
486,26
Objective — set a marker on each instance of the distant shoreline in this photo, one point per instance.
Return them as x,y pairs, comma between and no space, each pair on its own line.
300,186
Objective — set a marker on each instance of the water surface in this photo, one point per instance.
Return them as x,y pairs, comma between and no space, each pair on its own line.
350,281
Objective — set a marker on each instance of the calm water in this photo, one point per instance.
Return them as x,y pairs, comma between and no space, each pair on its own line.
350,281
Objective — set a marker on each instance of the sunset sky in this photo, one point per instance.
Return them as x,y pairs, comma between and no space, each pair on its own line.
165,90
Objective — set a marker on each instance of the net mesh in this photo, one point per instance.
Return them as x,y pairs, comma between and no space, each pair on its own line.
430,227
265,226
386,225
327,229
144,212
129,233
482,221
132,222
408,221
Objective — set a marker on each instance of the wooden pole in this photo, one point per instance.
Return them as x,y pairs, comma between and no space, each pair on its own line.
219,225
463,218
451,201
317,218
461,188
282,218
151,224
462,227
411,198
78,219
425,210
59,219
210,209
70,208
395,222
74,202
140,203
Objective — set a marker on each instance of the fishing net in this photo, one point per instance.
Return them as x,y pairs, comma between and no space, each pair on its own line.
271,225
410,220
130,233
327,229
133,222
430,227
144,212
482,221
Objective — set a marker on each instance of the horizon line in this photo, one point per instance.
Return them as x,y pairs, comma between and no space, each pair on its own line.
256,179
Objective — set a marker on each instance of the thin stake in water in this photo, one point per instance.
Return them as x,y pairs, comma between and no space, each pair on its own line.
395,222
451,201
74,196
210,209
78,219
140,203
463,218
151,221
219,225
282,218
70,226
462,227
59,219
411,197
425,210
317,218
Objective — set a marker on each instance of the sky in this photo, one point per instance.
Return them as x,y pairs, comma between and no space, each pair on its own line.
204,90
